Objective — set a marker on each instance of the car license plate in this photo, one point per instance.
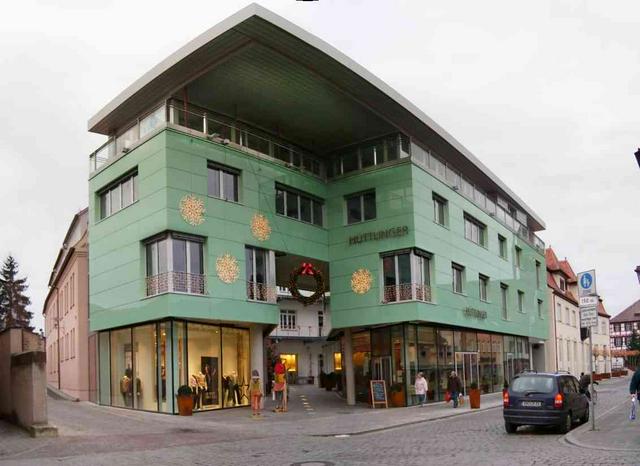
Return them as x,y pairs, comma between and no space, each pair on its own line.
532,404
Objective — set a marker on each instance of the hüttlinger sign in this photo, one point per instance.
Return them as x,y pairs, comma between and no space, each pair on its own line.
379,235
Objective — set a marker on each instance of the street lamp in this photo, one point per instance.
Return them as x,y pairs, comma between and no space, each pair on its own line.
638,267
637,154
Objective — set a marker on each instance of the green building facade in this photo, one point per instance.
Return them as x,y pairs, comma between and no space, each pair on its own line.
258,156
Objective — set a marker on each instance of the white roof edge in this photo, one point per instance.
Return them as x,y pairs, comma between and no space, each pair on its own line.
257,10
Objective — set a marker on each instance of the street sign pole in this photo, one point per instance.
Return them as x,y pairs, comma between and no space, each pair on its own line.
592,404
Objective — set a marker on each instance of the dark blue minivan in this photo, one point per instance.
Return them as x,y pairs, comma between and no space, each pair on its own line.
544,399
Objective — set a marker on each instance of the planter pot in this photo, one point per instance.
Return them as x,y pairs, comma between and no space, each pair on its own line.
474,398
185,405
397,399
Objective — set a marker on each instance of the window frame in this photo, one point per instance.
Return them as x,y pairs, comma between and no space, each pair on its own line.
517,256
290,318
361,195
475,225
222,171
269,278
440,203
105,200
457,268
502,247
483,288
504,300
540,312
420,263
521,307
314,203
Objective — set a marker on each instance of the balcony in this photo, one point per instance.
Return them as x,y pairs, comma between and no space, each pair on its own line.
298,331
406,292
176,282
261,292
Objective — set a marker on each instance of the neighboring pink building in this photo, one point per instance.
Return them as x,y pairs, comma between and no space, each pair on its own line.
66,316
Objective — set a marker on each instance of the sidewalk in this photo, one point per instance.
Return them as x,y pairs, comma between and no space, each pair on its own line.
614,431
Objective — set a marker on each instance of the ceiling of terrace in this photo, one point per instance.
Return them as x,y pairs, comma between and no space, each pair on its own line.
276,93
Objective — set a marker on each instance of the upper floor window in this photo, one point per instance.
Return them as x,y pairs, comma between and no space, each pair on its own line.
457,272
540,309
287,320
538,274
119,195
439,209
260,274
361,207
299,206
406,276
474,230
504,300
175,264
370,153
223,182
616,327
518,257
502,246
562,283
520,300
483,282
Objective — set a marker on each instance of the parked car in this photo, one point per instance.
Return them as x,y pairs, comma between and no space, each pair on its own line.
544,399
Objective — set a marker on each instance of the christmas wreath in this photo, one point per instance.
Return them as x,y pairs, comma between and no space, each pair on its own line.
306,269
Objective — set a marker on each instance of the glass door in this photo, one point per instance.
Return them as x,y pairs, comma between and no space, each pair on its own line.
466,365
381,369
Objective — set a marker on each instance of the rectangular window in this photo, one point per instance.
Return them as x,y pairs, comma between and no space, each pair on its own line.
287,320
320,319
518,257
502,246
540,309
504,299
118,196
299,206
520,301
361,207
222,182
562,283
537,274
474,230
175,264
457,272
259,274
484,287
439,210
558,312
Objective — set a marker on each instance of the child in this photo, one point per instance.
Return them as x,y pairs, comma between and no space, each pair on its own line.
255,389
421,388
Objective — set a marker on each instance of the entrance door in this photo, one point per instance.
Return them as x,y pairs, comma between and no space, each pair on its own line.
381,369
510,367
466,365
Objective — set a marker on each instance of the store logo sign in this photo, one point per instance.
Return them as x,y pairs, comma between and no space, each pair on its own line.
474,313
379,235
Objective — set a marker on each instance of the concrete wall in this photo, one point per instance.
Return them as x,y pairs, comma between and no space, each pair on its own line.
23,381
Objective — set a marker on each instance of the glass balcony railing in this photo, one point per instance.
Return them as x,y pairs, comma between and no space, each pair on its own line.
497,208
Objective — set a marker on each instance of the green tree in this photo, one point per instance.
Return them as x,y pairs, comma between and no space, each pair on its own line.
634,345
13,301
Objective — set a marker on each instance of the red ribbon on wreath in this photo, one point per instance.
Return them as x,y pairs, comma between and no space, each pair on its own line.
307,269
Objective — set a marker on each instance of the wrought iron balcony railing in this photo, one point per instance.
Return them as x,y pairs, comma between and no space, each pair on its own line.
407,292
176,282
261,292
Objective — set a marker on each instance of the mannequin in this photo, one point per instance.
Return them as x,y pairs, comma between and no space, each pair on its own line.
202,386
193,384
126,388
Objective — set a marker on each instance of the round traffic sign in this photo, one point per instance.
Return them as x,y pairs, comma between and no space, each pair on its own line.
586,280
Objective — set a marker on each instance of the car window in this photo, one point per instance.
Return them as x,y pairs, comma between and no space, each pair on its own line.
576,385
538,383
567,385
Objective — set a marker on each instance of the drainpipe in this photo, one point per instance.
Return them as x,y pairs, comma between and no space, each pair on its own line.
555,329
58,326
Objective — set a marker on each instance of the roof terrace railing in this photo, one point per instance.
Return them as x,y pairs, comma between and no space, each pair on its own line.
497,208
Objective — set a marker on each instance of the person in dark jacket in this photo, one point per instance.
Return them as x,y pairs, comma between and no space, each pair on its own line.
454,387
634,386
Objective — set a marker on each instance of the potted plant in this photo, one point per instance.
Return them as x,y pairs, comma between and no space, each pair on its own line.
185,400
474,396
396,395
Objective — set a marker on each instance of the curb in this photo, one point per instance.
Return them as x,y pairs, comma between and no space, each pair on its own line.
404,424
60,395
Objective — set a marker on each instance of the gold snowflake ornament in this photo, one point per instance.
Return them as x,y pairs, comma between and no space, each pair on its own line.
227,268
192,210
260,227
361,281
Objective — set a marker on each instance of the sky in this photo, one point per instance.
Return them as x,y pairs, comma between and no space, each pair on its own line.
545,93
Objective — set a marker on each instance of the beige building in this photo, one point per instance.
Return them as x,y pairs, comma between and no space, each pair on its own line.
564,349
66,316
601,342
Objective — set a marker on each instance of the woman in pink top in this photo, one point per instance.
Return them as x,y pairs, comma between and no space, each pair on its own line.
421,388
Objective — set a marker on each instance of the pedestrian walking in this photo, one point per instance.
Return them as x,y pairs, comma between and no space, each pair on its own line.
454,386
422,387
634,386
255,390
584,382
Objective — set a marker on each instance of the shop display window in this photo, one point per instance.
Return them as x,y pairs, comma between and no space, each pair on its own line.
203,363
121,369
235,366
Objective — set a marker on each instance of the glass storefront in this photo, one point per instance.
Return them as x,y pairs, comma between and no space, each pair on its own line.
397,353
142,367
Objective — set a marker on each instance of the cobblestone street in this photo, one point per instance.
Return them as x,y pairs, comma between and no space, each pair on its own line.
97,435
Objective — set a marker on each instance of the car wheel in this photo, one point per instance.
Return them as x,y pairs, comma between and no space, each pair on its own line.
585,417
510,427
566,424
